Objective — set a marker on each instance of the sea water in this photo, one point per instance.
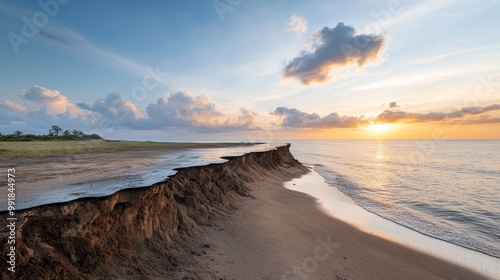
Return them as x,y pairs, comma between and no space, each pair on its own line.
448,190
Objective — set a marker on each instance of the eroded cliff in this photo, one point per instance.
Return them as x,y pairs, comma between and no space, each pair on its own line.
134,233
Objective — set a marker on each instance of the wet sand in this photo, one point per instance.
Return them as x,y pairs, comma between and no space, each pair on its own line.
38,176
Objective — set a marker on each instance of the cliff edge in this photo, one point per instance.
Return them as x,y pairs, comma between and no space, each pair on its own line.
134,233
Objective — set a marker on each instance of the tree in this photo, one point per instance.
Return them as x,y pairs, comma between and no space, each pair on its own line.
77,133
66,133
18,133
55,130
95,136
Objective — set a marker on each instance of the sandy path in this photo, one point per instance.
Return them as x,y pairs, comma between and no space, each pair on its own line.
282,234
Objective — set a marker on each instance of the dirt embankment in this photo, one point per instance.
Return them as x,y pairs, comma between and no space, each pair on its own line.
136,233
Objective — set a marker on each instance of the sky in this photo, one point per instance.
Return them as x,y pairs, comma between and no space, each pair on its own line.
186,70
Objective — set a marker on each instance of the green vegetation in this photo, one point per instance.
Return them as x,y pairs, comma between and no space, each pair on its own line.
13,149
55,133
56,143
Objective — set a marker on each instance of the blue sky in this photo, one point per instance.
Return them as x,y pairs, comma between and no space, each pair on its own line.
209,70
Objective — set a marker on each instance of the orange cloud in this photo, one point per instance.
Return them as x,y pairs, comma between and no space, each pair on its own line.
52,101
389,116
247,119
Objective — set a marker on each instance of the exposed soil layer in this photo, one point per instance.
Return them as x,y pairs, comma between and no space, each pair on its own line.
136,233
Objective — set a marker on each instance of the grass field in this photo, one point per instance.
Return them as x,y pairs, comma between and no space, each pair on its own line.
68,148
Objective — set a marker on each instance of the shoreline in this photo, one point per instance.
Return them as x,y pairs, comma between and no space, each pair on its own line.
279,235
342,207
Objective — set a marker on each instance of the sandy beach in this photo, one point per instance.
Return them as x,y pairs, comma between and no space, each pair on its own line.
283,234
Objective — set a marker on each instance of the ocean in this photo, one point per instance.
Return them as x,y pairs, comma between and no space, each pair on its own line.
448,190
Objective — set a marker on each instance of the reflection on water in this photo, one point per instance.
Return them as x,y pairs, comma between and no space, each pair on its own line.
165,167
445,189
379,154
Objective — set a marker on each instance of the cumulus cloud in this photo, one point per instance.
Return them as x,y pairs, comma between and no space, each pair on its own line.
43,107
197,113
11,107
392,116
297,24
296,118
179,110
182,109
333,48
247,119
175,111
114,110
52,101
11,113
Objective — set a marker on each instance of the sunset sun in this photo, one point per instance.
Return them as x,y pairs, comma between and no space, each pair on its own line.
379,127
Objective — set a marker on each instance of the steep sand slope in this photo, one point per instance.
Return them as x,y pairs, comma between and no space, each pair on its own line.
136,233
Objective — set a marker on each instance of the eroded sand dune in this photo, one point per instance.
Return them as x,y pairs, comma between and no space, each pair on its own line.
135,233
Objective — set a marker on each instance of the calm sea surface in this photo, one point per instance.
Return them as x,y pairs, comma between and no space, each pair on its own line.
449,190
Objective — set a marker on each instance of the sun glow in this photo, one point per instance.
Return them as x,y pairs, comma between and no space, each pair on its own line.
379,127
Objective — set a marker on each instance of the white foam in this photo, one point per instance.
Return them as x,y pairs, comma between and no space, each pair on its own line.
342,207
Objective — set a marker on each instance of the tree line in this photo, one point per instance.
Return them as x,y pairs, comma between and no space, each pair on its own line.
55,133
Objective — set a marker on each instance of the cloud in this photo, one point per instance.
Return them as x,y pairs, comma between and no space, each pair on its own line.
51,101
55,38
393,104
175,112
182,109
196,113
247,119
333,48
296,118
11,113
419,10
390,116
291,117
42,120
11,107
69,39
113,109
44,107
179,110
297,24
